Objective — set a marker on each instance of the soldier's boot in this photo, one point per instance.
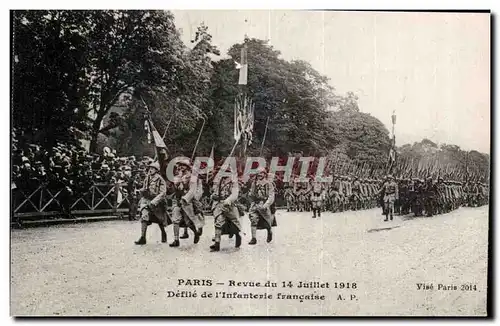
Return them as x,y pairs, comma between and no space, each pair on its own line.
231,236
314,213
237,243
215,247
196,234
254,236
269,235
185,235
163,233
392,217
319,212
142,239
176,236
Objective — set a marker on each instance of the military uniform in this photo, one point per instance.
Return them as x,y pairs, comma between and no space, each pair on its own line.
289,197
355,194
317,198
334,195
152,205
390,193
442,196
225,211
183,213
430,197
197,208
261,217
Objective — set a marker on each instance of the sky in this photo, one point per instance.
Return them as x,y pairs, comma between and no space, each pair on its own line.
432,69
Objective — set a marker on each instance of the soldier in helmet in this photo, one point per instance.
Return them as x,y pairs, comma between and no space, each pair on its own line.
317,198
430,197
355,194
152,205
225,211
183,213
390,193
441,199
262,193
289,195
334,194
197,206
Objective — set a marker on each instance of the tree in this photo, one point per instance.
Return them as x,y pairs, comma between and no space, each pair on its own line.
49,82
185,101
139,50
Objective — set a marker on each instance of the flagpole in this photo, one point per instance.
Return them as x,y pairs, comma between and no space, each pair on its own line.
264,139
166,129
198,140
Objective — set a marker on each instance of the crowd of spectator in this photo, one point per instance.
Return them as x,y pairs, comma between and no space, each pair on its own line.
72,168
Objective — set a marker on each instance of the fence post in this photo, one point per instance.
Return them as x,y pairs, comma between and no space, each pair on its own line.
117,191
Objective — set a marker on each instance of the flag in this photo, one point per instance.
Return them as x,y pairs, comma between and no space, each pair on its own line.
243,118
249,122
212,159
243,66
392,155
153,133
148,130
160,147
238,120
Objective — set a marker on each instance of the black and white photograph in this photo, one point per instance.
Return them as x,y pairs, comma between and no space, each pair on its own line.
258,163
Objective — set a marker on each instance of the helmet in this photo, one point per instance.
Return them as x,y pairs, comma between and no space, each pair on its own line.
261,170
184,162
155,165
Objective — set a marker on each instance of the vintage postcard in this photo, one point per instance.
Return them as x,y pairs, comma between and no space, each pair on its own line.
250,163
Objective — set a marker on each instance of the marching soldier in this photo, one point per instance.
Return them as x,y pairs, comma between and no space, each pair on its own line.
335,194
262,192
355,194
348,193
306,193
430,197
289,196
441,188
317,198
225,211
152,205
197,207
182,203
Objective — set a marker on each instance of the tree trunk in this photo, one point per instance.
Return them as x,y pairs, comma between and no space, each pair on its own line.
96,127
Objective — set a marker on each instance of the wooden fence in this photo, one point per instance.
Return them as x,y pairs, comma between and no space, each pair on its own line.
45,202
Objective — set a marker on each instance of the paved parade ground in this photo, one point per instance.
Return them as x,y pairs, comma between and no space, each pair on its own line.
95,268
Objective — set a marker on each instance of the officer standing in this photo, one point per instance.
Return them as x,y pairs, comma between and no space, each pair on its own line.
390,194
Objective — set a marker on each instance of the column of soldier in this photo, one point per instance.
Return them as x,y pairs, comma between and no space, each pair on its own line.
417,196
179,202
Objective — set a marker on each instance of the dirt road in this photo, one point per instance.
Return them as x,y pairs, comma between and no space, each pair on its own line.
95,269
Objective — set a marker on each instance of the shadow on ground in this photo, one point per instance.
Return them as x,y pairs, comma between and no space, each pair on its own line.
383,229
